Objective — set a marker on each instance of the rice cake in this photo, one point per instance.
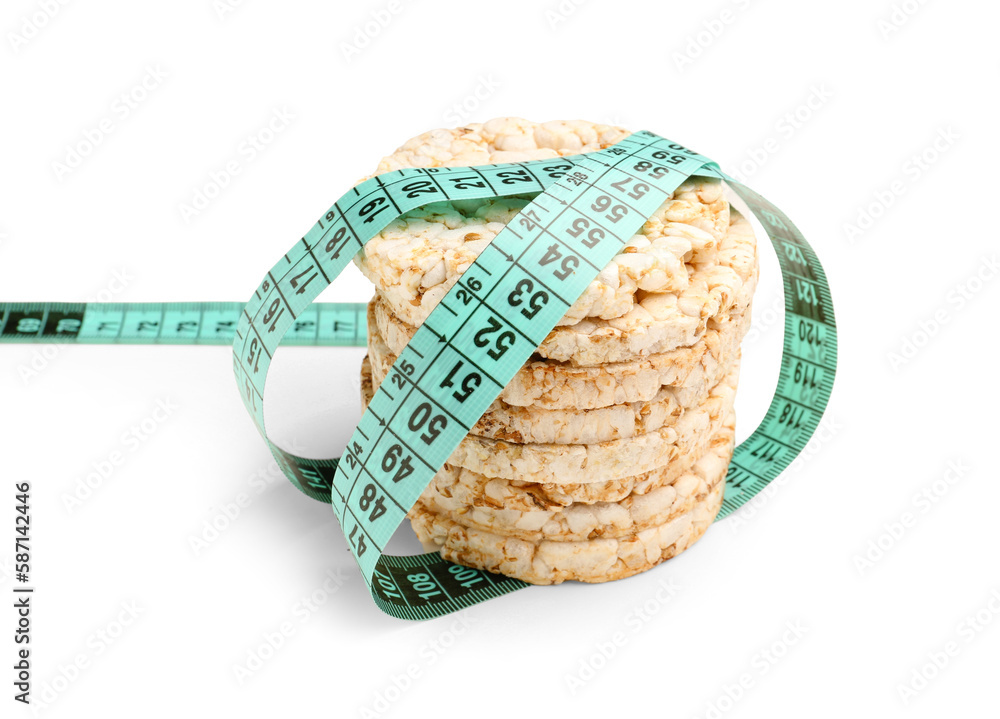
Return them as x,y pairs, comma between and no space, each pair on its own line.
576,522
556,385
597,462
659,323
568,426
553,562
416,259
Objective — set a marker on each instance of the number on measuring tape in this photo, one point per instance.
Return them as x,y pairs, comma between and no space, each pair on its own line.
585,209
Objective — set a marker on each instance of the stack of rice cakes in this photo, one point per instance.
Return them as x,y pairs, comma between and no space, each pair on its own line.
607,453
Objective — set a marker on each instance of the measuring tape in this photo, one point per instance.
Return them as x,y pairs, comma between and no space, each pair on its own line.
588,207
325,324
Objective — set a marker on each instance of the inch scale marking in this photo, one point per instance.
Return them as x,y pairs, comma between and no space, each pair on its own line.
584,208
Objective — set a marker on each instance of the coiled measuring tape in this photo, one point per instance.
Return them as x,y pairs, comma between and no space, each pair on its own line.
472,344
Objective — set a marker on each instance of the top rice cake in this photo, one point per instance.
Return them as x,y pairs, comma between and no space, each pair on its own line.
673,261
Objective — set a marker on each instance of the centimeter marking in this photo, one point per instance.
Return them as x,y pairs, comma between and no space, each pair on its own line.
339,324
487,334
584,208
808,363
486,327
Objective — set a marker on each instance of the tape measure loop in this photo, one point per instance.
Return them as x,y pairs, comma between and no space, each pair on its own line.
476,338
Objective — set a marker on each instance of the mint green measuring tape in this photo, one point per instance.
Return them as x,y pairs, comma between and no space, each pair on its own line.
586,209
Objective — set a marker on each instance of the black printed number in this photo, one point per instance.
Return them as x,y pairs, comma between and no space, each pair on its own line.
368,210
332,243
638,190
360,545
535,303
512,176
503,341
295,281
655,171
470,382
253,359
615,212
419,187
465,296
568,264
467,183
371,499
395,459
422,417
668,158
792,416
806,376
809,334
270,314
580,224
556,171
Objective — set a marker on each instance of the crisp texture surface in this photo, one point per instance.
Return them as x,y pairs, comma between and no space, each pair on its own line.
657,323
607,452
526,425
497,493
502,139
598,462
553,562
419,256
663,321
556,385
631,514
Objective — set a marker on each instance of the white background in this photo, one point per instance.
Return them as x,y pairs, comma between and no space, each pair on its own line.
872,115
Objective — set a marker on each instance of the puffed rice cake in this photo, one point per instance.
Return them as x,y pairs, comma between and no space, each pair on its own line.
607,452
